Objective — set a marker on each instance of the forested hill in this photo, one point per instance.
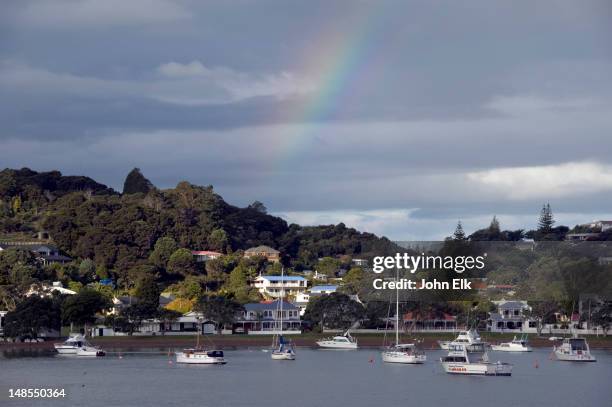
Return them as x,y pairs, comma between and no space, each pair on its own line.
89,220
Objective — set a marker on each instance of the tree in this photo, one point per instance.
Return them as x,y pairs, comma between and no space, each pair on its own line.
353,281
602,317
148,292
163,250
238,285
459,234
168,316
87,270
494,227
328,266
222,310
32,316
218,240
181,263
546,221
82,307
259,207
134,315
335,311
135,182
543,312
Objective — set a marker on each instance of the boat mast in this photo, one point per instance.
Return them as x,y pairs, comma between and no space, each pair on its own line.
282,298
397,307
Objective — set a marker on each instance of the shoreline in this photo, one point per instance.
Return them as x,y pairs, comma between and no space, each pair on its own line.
428,341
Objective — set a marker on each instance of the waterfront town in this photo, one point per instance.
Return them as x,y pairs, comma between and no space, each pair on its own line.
507,312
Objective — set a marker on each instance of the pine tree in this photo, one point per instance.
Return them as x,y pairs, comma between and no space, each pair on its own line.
494,227
546,222
459,233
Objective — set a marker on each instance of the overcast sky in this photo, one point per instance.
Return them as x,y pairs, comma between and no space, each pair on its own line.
395,117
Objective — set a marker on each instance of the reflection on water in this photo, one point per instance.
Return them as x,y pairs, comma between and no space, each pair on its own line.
139,377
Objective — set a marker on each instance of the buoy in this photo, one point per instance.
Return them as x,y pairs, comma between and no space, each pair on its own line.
371,360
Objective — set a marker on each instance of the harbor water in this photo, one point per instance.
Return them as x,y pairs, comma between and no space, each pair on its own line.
149,377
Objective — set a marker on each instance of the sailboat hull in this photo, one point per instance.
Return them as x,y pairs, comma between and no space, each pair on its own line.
402,357
283,356
198,358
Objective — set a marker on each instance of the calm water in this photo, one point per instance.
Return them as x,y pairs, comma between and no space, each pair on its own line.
317,378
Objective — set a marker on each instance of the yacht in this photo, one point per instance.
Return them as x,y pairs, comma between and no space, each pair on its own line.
574,350
71,345
516,345
469,338
76,344
406,353
281,350
345,341
196,356
476,362
200,356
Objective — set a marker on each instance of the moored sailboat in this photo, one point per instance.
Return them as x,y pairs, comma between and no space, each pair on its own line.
281,349
406,353
200,356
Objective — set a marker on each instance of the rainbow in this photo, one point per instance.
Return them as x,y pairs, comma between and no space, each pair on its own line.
340,57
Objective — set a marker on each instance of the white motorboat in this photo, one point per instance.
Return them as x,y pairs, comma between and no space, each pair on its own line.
574,350
404,353
281,350
71,345
345,341
471,339
76,344
201,357
475,362
516,345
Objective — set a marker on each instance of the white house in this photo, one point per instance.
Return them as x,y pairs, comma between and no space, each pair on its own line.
202,256
46,291
264,318
510,317
271,286
187,324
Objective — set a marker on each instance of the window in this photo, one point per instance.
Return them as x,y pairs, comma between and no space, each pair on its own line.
533,324
517,312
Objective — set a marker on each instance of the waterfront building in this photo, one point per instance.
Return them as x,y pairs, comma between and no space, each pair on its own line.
271,286
272,255
510,316
264,318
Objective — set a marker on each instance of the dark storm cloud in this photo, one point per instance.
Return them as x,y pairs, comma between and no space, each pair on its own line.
433,110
